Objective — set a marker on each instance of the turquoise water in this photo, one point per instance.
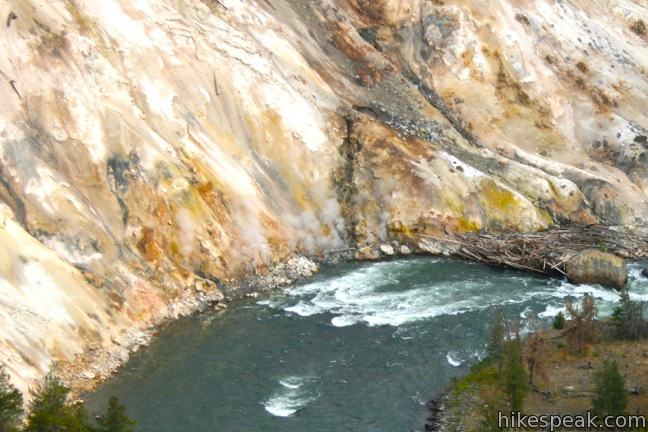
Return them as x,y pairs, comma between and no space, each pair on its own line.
359,347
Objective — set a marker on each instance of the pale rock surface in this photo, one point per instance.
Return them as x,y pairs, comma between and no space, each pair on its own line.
387,250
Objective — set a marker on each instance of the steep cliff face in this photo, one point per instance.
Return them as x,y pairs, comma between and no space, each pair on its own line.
155,153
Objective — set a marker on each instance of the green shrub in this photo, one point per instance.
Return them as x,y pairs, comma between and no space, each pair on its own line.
115,419
49,410
559,321
610,395
10,404
514,376
629,318
497,339
482,373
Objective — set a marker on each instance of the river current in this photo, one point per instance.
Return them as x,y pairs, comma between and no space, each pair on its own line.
359,347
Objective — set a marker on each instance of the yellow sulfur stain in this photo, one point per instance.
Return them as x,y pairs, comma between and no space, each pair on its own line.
453,203
465,225
498,199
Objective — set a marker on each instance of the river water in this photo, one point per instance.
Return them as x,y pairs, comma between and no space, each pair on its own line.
360,347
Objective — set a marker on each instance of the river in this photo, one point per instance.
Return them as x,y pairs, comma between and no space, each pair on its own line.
359,347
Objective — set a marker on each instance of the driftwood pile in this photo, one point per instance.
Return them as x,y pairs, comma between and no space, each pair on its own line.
548,252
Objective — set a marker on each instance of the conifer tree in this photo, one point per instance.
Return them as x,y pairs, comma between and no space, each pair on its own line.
559,321
610,395
535,356
497,339
49,410
629,316
514,375
11,402
115,419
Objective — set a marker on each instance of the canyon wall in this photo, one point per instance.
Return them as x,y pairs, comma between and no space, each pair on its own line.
155,155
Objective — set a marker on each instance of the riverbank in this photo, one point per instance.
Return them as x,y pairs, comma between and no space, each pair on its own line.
565,389
98,363
357,346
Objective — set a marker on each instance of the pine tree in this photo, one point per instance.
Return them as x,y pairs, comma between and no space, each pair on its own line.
610,395
630,317
515,377
50,411
11,402
115,419
535,356
497,339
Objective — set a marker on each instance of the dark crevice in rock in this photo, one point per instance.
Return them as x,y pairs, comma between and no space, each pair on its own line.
345,180
14,201
118,172
437,102
415,127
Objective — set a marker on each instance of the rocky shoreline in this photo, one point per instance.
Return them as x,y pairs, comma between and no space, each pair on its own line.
436,408
99,364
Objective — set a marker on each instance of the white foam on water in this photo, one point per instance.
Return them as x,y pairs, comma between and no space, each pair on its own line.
360,296
479,355
291,382
291,397
452,359
526,313
635,272
372,295
551,311
567,289
343,321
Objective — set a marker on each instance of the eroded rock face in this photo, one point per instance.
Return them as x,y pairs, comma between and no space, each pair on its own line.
148,148
596,267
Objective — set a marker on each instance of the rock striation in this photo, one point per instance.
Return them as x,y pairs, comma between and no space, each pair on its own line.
156,156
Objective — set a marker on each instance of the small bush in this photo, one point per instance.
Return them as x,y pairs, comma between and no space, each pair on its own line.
582,331
617,315
603,247
559,321
482,373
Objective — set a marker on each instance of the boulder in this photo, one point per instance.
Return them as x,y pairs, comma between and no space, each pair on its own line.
404,250
644,272
595,267
387,249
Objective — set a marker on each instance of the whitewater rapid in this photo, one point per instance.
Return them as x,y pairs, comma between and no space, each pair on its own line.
371,295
